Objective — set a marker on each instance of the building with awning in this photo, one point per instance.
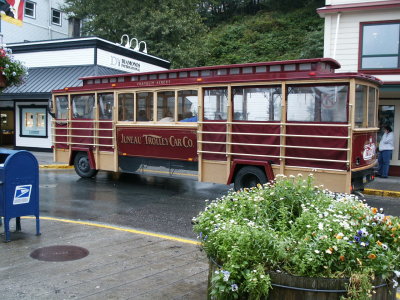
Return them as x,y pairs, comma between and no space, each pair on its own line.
55,64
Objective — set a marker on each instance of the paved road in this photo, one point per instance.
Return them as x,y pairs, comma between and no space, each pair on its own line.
158,204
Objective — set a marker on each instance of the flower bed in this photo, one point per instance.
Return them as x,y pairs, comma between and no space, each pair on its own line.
12,71
292,227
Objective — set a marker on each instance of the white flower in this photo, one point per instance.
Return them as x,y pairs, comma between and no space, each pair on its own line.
317,251
329,251
395,283
397,273
320,226
226,275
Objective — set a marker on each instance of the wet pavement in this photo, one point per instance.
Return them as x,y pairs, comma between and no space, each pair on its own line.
151,203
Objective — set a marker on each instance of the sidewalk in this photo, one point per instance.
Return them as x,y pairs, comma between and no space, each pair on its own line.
387,187
122,263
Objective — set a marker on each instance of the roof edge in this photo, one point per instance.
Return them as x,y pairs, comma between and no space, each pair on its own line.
358,7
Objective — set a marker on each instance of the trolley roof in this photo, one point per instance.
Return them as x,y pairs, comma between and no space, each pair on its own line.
321,68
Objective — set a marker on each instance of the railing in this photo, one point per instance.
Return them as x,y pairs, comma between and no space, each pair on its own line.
96,130
228,134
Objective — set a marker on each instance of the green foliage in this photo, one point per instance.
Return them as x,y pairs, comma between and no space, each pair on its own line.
197,33
294,227
169,27
12,70
264,37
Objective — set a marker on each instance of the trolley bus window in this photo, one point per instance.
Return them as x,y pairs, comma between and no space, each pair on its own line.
317,103
61,107
360,110
187,106
257,103
82,106
372,107
144,106
105,104
125,107
215,104
166,106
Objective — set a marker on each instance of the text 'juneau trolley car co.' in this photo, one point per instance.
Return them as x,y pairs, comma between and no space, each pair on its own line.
240,124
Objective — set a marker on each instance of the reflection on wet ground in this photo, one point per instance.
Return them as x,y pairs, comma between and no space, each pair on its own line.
159,204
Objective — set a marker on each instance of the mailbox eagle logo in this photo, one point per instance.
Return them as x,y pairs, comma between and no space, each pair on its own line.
22,194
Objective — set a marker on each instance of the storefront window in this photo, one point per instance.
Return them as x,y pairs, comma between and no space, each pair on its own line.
33,121
386,118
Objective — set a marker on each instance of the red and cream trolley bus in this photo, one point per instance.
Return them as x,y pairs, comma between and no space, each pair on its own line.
240,124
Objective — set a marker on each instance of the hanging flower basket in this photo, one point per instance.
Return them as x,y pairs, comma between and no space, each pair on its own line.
290,239
12,72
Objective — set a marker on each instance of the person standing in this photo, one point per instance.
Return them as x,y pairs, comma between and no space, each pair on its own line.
386,147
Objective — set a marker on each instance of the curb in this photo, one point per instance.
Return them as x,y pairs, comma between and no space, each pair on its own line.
56,167
381,193
121,228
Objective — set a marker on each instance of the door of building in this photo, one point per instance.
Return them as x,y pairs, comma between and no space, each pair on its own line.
7,127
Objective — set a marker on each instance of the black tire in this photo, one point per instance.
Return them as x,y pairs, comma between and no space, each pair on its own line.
248,177
82,166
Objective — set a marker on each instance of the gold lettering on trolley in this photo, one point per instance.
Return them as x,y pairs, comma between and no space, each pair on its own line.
156,140
153,82
131,139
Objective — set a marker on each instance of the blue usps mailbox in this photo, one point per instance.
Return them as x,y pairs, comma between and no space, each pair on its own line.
19,188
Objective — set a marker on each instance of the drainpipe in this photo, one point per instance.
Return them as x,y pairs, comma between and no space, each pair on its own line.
336,35
49,19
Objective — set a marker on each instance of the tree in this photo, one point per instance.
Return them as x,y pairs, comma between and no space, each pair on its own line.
169,27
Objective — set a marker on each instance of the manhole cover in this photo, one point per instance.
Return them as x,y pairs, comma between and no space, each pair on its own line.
59,253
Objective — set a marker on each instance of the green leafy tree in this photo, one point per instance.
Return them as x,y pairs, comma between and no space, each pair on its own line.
169,27
196,33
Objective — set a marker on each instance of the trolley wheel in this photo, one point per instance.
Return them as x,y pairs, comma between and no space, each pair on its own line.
248,177
82,166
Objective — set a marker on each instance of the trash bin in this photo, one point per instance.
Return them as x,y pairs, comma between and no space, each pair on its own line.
19,188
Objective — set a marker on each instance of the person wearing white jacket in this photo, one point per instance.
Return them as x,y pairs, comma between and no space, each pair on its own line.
386,147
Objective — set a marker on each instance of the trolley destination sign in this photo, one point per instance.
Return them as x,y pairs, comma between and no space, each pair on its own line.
180,144
157,140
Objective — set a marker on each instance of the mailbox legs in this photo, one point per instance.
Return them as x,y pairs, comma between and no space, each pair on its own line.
7,230
18,224
17,227
37,226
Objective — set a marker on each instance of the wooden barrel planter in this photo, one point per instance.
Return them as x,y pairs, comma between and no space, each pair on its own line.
289,287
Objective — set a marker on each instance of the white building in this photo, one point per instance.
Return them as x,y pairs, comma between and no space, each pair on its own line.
42,20
55,64
364,36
